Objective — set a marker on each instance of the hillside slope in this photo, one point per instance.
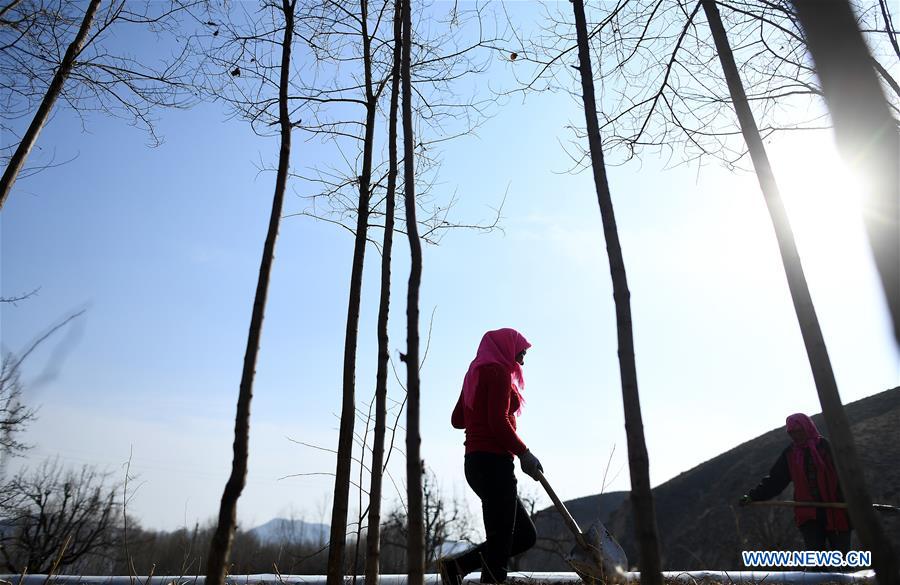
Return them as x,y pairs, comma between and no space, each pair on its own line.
700,524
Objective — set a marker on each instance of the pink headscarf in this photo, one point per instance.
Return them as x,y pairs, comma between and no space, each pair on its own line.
500,346
801,422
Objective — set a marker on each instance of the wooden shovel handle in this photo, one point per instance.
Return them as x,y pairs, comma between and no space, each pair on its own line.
570,522
793,504
842,505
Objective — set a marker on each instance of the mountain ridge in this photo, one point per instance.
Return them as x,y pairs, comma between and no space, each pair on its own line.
291,531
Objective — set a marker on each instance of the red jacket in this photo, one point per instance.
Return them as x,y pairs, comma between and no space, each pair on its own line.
491,424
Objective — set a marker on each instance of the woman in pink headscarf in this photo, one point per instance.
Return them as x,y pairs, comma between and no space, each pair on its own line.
808,463
490,400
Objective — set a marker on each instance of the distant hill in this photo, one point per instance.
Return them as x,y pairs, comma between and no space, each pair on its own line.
283,530
700,524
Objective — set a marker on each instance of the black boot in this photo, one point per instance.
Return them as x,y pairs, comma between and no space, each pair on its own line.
450,572
455,568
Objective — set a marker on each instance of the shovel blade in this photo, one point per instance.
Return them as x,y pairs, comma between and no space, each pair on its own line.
601,560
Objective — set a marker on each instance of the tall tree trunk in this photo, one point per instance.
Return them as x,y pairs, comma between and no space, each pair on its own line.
220,545
416,532
866,132
337,544
373,535
43,112
849,470
638,460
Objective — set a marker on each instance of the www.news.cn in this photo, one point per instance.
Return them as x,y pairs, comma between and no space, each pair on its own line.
806,558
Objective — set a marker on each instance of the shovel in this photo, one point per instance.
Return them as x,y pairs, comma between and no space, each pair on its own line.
597,557
878,507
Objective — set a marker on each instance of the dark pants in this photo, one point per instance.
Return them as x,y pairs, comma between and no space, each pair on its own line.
815,537
508,527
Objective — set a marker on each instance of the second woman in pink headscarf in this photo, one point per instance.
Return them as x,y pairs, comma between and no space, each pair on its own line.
808,463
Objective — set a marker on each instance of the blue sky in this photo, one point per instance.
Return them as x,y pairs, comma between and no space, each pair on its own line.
161,247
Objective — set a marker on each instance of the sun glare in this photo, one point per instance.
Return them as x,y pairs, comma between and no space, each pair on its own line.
823,200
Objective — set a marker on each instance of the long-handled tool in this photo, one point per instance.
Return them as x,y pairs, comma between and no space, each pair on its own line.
791,503
597,556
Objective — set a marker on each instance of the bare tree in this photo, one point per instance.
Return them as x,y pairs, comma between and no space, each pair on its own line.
373,535
342,107
43,112
335,114
361,441
446,520
369,101
220,546
348,409
14,414
414,464
678,104
638,460
38,67
55,518
847,462
13,300
339,102
865,130
659,92
331,30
